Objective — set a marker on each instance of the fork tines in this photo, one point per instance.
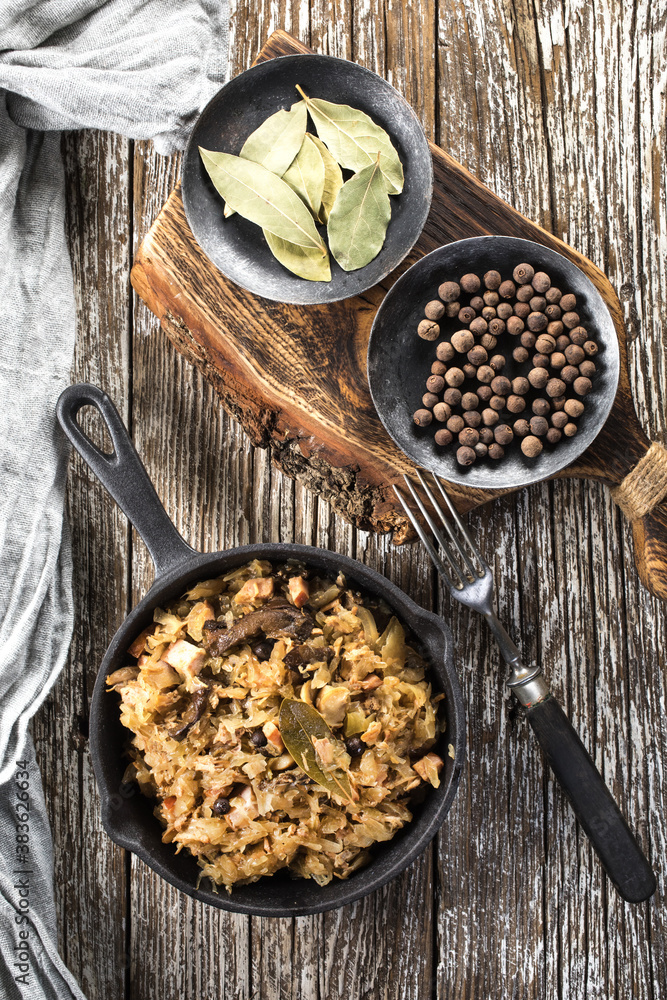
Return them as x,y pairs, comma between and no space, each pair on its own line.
455,574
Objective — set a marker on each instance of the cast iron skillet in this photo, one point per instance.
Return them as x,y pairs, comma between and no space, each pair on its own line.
399,361
238,247
127,816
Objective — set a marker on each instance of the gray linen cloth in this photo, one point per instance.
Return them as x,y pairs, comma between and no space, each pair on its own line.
143,68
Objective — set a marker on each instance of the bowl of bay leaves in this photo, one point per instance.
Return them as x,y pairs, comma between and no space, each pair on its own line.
307,179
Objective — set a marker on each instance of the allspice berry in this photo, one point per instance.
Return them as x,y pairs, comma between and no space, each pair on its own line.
582,386
469,370
472,418
516,404
528,339
558,403
496,327
579,335
488,313
444,351
465,456
496,451
485,374
422,418
558,360
455,424
531,446
504,310
488,341
470,283
520,385
497,362
492,280
438,368
554,435
436,383
540,360
541,282
541,407
515,326
559,420
590,348
429,399
570,320
501,385
521,427
538,378
462,341
525,293
485,392
539,426
569,373
454,377
467,314
556,387
523,274
538,303
574,408
486,435
562,341
481,449
470,401
477,303
568,302
587,369
520,355
478,326
570,430
522,310
468,437
491,298
442,412
434,309
506,289
449,291
555,329
452,309
489,417
477,355
452,396
497,403
503,434
545,344
574,354
443,437
553,294
553,311
537,322
428,330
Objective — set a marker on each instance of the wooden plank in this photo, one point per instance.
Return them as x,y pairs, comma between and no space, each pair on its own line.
90,872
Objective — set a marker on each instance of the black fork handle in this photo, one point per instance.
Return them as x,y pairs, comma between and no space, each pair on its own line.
600,817
123,475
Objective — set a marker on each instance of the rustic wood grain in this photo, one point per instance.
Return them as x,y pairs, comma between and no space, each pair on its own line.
560,109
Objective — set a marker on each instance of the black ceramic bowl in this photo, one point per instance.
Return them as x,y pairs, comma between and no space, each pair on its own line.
126,814
237,246
399,361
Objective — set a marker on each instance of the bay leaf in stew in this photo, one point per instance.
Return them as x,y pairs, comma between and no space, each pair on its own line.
300,726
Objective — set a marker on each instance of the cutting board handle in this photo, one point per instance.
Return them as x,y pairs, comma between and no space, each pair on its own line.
641,494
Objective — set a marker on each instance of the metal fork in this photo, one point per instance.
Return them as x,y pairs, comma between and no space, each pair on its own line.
470,580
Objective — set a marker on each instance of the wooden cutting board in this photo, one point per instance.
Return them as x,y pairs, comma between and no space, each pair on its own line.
295,376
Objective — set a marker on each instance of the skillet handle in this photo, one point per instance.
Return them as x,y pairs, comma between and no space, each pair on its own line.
123,475
610,835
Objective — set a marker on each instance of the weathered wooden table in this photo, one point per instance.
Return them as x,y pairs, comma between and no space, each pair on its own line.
560,109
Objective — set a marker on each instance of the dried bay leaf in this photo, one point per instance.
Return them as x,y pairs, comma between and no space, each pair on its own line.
300,725
305,174
359,218
333,180
303,261
262,197
276,141
355,140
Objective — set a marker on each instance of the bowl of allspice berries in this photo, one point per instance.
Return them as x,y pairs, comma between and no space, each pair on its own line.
493,362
